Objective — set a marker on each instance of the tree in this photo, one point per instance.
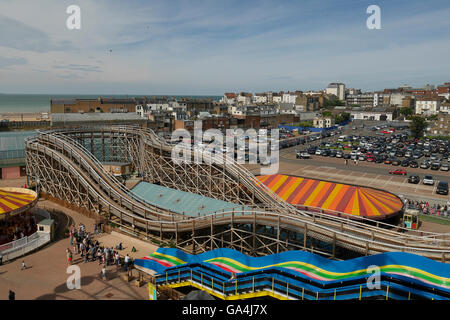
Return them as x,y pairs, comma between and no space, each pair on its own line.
327,114
342,117
418,126
334,101
405,111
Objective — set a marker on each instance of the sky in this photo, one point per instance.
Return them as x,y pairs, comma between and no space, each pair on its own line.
208,47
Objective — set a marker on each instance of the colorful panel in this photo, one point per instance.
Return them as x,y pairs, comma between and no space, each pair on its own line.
300,263
334,197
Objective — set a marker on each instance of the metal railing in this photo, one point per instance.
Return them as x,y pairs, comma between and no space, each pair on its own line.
23,246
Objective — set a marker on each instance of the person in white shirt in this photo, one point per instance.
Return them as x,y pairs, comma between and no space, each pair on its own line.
126,260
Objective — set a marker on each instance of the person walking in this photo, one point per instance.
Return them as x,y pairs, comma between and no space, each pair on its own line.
12,295
71,237
99,256
126,261
24,265
82,249
69,257
104,273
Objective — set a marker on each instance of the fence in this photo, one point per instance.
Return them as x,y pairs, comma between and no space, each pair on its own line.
22,246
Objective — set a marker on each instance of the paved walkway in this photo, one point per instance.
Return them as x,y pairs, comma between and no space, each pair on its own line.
45,277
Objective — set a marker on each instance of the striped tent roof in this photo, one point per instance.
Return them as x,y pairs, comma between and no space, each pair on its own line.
353,200
12,199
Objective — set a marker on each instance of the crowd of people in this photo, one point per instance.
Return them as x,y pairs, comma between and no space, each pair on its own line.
90,250
432,209
16,227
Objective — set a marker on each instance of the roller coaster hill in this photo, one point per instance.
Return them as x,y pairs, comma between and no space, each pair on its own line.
67,166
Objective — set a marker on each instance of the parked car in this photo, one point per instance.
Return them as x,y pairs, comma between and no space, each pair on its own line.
413,164
442,188
414,179
396,162
303,155
405,163
444,167
435,166
424,165
398,172
428,180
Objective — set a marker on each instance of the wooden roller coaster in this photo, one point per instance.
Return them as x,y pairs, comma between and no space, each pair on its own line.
67,165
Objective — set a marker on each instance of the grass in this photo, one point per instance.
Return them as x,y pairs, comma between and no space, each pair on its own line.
435,219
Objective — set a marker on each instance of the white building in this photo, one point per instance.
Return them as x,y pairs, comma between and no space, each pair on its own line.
396,99
445,107
289,97
427,106
244,98
229,98
320,122
277,98
260,98
371,115
338,89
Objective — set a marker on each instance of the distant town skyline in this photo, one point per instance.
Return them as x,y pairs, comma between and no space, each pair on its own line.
208,48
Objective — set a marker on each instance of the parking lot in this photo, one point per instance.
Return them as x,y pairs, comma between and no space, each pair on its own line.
366,142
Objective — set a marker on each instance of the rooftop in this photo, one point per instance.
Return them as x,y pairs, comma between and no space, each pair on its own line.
179,201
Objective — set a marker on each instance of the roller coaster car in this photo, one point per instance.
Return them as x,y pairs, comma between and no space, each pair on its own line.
411,217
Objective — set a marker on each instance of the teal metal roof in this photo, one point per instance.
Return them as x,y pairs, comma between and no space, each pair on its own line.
14,140
12,147
181,202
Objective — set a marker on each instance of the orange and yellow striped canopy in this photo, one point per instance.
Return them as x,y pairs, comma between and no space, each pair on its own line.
335,197
12,199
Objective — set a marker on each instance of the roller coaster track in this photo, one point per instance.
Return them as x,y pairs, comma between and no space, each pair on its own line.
63,167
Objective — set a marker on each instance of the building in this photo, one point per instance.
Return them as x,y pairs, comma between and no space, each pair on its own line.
442,126
377,115
260,98
76,119
305,102
444,90
445,107
323,122
230,98
12,154
338,89
352,91
277,98
368,99
427,106
244,98
396,99
409,102
289,97
105,105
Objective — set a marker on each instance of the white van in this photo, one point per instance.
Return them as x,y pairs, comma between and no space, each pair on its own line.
342,138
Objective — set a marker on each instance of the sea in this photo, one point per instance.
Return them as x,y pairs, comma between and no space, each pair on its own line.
41,102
